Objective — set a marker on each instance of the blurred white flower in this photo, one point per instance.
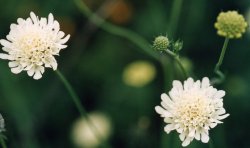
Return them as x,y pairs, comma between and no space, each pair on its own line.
83,135
32,43
192,109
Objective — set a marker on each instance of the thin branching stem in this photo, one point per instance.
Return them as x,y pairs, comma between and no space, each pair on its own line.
177,59
116,30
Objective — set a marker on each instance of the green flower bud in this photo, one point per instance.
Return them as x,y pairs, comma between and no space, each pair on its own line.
177,46
230,24
161,43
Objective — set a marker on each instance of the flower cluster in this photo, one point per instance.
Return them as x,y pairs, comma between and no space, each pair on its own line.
230,24
192,109
32,44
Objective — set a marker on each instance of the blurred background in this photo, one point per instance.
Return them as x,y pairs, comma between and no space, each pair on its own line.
119,85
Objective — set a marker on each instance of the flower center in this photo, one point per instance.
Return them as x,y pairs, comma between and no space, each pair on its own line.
33,48
193,111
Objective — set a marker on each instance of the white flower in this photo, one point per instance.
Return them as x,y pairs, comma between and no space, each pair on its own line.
192,109
32,43
84,136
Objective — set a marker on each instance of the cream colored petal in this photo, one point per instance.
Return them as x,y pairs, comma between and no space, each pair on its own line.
204,137
205,82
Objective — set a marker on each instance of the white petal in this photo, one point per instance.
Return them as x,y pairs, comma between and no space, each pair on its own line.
197,84
168,128
5,43
177,84
166,99
37,75
212,125
192,133
50,19
64,40
186,142
220,111
31,72
182,136
13,64
16,70
219,94
33,17
56,26
197,135
188,83
168,120
204,137
205,82
4,56
20,21
159,110
222,117
166,106
162,112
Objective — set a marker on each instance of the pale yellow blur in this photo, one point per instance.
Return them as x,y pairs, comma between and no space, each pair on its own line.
139,73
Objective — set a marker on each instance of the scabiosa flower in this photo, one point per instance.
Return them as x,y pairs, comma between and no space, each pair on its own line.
32,44
230,24
192,109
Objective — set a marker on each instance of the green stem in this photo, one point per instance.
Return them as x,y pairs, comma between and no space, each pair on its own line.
177,59
219,63
174,17
3,144
80,108
167,69
116,30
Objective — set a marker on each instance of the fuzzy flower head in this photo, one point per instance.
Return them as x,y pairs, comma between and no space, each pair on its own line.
161,43
192,109
32,44
230,24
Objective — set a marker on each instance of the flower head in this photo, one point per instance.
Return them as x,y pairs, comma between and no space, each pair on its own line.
32,44
230,24
83,135
161,43
192,109
139,73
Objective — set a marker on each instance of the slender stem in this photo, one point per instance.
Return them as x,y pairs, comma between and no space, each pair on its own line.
223,51
177,59
116,30
80,108
174,18
72,93
219,63
3,144
167,69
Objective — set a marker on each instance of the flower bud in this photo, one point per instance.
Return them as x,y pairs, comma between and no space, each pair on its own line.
161,43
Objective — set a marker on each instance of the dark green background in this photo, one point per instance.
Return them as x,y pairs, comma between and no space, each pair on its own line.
40,114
